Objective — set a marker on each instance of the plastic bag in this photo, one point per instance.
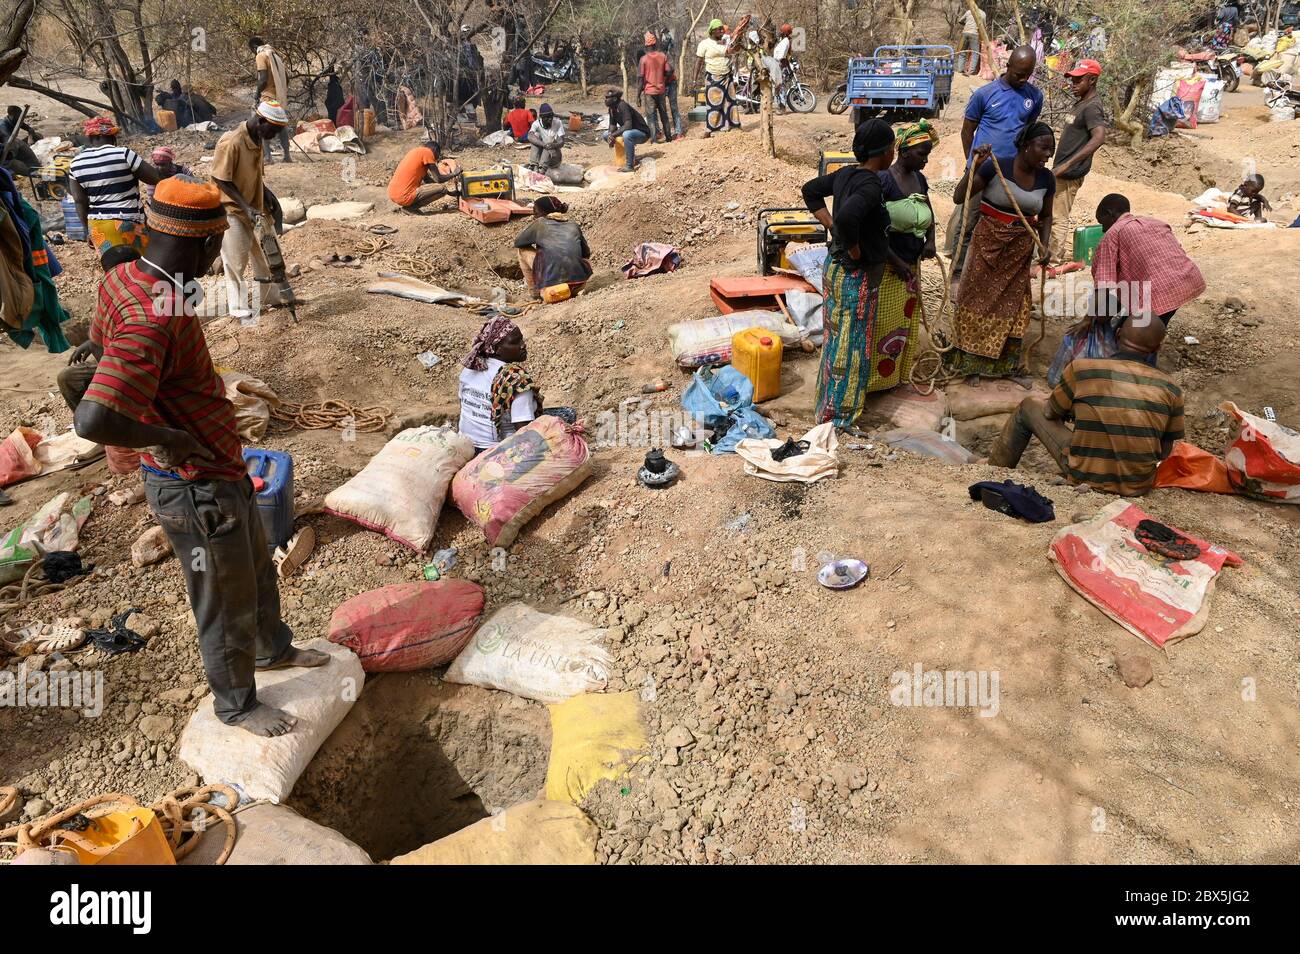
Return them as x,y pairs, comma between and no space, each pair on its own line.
1192,468
408,625
539,832
504,488
1263,458
1166,116
534,655
1097,342
713,396
253,400
594,737
401,491
1157,599
928,444
566,174
812,465
707,341
17,457
268,768
723,398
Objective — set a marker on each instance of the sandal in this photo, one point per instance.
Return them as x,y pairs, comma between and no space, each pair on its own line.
290,558
1165,541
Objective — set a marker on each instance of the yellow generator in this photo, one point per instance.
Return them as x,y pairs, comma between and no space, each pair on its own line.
830,161
778,228
488,184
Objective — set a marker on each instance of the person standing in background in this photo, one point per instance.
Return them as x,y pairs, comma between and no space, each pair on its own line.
995,116
1084,132
970,39
272,84
104,181
653,76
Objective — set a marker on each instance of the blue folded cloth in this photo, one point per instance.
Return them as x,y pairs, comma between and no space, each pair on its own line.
1017,500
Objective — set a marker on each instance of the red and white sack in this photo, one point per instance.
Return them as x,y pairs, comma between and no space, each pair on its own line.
401,491
1263,458
505,487
1157,599
408,625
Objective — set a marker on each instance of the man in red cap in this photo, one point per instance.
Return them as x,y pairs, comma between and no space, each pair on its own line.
1084,132
654,83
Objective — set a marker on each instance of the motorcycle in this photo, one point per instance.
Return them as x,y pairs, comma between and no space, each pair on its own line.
839,101
794,93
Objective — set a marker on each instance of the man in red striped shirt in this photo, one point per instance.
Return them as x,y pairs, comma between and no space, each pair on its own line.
155,388
1140,266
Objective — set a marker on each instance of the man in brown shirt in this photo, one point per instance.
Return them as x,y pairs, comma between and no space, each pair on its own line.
237,169
272,84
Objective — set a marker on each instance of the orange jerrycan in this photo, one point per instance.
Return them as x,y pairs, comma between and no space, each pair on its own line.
756,353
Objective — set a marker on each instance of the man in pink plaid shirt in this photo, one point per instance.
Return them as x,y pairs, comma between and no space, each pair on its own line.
1139,265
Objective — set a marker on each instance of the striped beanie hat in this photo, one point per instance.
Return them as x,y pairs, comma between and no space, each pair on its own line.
185,206
272,112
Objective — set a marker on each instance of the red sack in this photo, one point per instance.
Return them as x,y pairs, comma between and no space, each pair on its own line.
409,625
1157,599
346,113
1191,468
16,458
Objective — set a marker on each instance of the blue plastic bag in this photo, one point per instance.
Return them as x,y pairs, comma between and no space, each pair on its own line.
1098,342
722,396
1166,116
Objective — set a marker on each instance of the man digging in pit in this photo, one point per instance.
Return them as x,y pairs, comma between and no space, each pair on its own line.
155,388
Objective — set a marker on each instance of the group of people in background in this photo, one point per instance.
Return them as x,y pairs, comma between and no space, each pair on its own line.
1011,218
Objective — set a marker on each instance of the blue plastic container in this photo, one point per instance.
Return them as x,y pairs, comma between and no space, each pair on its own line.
74,230
275,499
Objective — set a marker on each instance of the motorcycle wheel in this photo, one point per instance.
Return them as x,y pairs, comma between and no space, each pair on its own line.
839,102
801,99
1231,78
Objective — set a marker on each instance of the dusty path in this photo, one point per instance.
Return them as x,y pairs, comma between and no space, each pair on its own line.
800,755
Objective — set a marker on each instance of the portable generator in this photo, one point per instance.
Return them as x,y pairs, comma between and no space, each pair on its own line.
778,228
831,161
488,184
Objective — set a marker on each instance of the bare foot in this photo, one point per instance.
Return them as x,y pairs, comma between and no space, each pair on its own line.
307,658
267,721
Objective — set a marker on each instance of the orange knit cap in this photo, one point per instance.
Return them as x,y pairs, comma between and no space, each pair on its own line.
188,207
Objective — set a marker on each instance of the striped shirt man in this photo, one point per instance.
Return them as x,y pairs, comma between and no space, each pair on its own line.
108,174
1126,413
156,369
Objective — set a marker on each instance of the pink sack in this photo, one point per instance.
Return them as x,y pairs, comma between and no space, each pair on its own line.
408,625
1156,598
505,487
1189,91
17,459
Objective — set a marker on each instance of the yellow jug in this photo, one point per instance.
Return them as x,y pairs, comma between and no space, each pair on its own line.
756,353
553,293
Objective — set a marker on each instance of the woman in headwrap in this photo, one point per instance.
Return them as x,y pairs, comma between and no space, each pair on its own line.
552,249
497,393
164,160
858,253
993,300
911,238
104,181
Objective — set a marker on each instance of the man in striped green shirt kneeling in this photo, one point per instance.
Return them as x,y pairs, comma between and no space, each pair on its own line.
1127,415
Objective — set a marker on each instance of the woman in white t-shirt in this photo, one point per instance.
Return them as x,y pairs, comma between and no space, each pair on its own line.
497,393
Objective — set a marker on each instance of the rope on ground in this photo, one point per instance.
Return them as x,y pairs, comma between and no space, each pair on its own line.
16,596
338,414
184,812
373,246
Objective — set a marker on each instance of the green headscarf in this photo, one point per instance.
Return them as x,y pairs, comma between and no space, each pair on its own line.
916,134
